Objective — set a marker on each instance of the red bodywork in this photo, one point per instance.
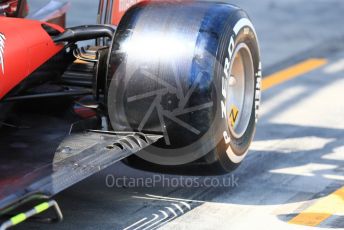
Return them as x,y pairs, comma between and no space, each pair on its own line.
120,7
14,8
26,46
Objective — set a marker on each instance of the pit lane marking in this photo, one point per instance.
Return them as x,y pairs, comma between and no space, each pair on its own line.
161,217
325,207
136,223
335,67
321,210
292,72
268,82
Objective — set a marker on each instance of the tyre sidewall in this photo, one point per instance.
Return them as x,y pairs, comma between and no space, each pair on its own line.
231,150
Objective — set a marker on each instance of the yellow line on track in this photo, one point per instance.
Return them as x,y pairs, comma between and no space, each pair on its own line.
334,203
321,210
292,72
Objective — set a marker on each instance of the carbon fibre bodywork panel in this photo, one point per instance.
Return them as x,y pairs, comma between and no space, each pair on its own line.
44,156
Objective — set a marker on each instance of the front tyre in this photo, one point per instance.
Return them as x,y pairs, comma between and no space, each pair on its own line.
191,71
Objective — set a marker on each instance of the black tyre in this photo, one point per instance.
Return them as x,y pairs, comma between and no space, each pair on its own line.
190,71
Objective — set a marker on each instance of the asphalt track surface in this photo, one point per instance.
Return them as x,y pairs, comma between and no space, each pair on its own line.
293,176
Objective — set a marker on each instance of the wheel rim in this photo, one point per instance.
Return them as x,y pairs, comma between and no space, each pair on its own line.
240,90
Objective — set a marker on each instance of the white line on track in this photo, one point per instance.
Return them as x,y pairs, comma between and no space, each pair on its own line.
161,217
155,216
335,67
136,223
158,221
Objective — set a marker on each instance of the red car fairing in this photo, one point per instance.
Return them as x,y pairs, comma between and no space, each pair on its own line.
120,7
24,46
14,8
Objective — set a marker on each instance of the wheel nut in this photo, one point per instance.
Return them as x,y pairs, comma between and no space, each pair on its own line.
232,80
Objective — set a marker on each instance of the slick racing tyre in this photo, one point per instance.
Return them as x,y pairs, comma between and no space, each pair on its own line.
190,71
